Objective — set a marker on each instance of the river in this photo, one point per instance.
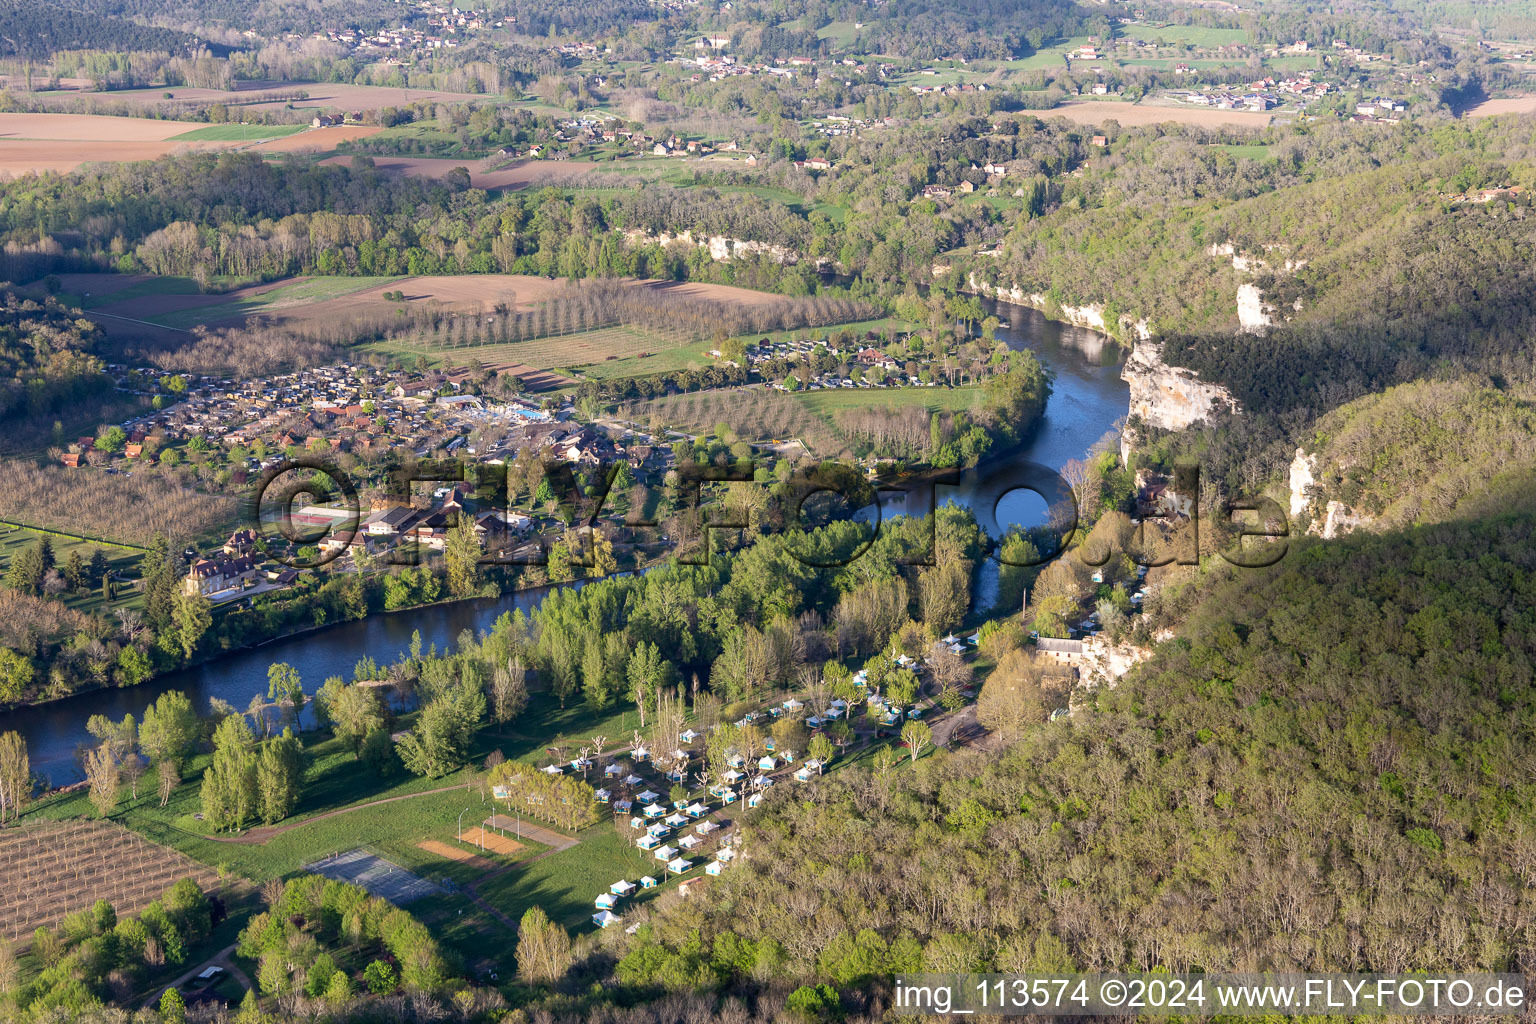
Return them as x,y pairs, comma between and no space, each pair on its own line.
1088,400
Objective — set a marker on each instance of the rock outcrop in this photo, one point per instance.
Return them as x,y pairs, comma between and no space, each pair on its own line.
1169,397
1251,314
1089,316
721,249
1336,518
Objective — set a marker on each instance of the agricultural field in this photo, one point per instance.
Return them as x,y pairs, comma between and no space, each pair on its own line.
185,312
263,96
64,866
1508,105
239,132
599,350
37,143
1090,112
319,140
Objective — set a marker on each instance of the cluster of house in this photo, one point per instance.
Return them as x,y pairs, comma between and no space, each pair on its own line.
1386,111
427,26
335,408
1229,99
995,173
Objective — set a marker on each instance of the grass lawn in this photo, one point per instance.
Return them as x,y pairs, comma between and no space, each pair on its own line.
681,357
840,32
827,403
15,539
566,883
239,132
313,289
858,327
1195,35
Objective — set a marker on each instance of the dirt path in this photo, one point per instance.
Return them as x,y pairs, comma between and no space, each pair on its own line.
222,959
260,835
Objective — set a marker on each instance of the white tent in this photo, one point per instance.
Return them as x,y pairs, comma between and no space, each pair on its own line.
607,901
688,736
696,810
602,795
654,810
552,769
689,842
679,865
622,888
604,918
647,796
665,853
632,780
792,705
676,819
647,882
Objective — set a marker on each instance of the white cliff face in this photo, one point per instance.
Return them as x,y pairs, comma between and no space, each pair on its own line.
1090,316
1169,397
1337,518
721,249
1302,476
1251,313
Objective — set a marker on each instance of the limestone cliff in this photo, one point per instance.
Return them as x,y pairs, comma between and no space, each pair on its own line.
1089,316
1310,513
1169,397
721,249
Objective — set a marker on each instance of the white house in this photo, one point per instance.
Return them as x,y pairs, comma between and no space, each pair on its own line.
679,865
665,853
647,882
604,918
713,867
607,901
622,888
